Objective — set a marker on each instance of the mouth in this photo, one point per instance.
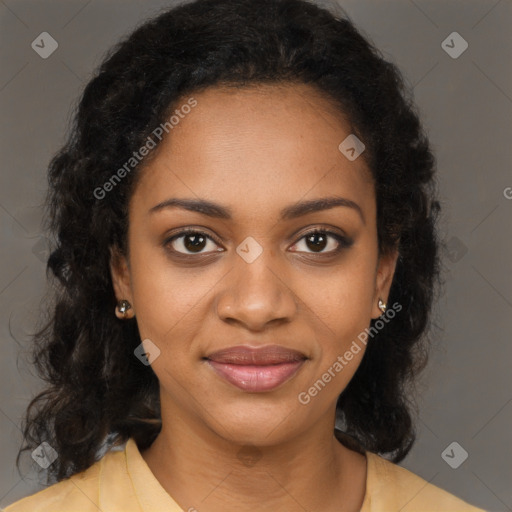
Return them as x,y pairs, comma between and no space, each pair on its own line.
256,369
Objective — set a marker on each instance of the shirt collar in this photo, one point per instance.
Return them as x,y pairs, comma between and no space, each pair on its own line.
152,497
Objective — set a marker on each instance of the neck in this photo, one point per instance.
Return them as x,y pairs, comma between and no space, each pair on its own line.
205,472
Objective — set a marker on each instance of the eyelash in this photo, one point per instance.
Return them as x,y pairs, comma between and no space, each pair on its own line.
343,242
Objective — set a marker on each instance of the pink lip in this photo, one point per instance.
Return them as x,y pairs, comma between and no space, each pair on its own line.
256,369
256,378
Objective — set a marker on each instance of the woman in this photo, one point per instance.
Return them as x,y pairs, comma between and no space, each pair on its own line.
246,250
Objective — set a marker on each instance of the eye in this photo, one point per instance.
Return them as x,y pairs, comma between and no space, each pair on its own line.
191,242
319,239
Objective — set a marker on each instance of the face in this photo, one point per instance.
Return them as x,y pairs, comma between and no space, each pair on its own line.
254,272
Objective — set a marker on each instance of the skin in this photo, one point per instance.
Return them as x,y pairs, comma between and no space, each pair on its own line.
255,150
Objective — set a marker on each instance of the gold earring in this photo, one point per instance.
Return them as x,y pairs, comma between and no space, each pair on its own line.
124,310
382,306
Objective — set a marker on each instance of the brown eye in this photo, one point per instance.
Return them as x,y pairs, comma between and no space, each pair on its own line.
191,242
318,240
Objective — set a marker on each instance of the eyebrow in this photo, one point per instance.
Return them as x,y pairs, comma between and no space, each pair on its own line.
294,211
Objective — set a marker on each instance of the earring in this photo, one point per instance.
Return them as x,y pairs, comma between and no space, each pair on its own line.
123,310
382,306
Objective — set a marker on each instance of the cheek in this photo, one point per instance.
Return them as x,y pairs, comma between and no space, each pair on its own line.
341,298
165,296
342,306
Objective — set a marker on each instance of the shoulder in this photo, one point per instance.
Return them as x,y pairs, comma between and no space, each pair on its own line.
79,493
392,487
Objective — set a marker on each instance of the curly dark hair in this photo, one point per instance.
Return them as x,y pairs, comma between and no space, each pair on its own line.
97,392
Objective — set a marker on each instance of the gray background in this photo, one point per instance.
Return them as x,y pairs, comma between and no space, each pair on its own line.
466,106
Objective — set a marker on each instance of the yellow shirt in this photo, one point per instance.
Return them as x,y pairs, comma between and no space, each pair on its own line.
121,481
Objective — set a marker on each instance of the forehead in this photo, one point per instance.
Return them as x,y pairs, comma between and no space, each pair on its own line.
261,146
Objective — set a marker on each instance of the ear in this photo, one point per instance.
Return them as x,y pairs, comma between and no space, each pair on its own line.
383,279
120,272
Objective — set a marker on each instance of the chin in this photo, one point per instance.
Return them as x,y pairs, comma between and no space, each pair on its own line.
253,426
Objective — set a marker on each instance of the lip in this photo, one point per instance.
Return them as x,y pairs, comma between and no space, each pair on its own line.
256,369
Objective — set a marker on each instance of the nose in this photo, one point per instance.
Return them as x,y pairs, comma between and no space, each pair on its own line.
255,295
